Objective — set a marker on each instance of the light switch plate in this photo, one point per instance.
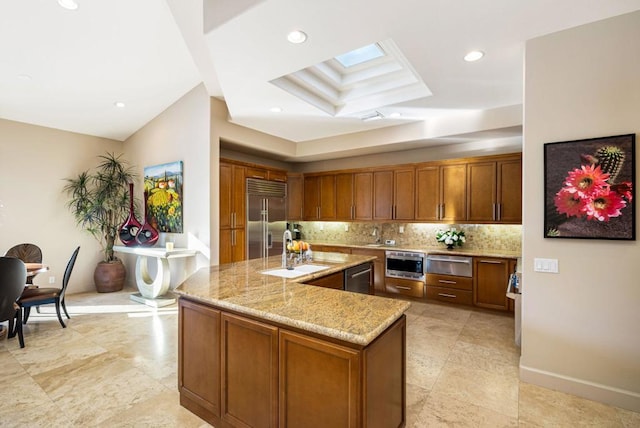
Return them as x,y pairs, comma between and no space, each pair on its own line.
545,265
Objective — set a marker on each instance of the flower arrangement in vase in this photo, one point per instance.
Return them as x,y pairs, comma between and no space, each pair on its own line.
451,237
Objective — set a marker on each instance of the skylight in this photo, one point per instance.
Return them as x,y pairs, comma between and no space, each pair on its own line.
360,55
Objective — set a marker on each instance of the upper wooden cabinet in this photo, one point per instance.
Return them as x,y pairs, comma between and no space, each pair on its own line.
320,197
295,195
494,190
394,194
266,173
232,195
345,204
441,192
354,196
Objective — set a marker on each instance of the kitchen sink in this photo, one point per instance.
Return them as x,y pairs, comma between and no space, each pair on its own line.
296,271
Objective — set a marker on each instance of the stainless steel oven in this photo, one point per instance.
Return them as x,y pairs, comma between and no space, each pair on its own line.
405,264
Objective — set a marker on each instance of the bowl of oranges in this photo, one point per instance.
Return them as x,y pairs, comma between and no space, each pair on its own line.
297,246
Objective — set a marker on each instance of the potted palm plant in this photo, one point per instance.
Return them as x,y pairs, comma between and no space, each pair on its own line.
100,203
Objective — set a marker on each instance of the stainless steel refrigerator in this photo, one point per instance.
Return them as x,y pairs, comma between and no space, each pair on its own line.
266,217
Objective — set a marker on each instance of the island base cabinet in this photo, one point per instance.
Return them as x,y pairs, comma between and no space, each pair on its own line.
319,383
236,371
199,359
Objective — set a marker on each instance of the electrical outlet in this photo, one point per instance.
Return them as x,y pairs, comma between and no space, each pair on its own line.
321,226
52,280
400,229
346,227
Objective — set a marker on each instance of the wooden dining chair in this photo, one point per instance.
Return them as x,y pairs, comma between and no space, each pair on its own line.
28,253
13,275
45,295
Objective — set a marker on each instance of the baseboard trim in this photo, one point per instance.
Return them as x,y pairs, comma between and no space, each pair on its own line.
592,391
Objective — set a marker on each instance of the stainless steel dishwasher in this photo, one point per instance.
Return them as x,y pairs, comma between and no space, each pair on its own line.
358,278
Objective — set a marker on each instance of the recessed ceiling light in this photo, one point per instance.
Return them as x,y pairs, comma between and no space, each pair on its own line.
473,56
275,109
297,36
119,104
68,4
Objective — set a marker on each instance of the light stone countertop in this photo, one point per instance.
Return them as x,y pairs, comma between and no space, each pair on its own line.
425,249
240,287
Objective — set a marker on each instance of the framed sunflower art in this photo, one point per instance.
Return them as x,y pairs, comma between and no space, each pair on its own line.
163,196
589,188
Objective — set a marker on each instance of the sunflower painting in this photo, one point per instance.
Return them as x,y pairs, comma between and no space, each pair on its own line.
589,188
163,186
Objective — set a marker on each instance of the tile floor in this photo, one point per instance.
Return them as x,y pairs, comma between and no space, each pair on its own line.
115,366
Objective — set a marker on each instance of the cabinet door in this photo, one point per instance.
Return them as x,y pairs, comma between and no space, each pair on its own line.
363,195
199,356
383,195
334,280
253,172
328,197
510,191
295,189
320,383
404,194
481,192
490,282
238,197
344,196
226,182
249,372
232,245
428,193
311,198
453,181
277,175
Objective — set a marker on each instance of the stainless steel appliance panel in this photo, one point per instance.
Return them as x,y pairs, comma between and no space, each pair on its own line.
266,217
405,264
450,265
358,278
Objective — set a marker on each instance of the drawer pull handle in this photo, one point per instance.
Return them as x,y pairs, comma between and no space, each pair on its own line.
494,262
451,296
446,281
402,287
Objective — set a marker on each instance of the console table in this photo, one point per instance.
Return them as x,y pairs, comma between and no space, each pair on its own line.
153,290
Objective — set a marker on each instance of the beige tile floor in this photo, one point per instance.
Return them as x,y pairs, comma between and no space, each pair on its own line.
115,366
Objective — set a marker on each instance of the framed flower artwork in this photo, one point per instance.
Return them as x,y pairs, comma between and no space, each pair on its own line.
163,189
589,188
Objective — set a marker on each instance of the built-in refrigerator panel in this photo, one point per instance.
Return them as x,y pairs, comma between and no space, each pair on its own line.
266,217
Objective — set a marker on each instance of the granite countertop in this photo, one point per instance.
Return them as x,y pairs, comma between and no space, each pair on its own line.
425,249
241,287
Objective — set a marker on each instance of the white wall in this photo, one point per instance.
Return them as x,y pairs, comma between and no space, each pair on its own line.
34,161
180,133
580,327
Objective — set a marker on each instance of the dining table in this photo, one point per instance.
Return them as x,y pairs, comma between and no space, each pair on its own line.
34,269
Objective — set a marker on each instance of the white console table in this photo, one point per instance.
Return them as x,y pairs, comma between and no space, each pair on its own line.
153,290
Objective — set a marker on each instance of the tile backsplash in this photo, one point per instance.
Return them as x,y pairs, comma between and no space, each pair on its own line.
478,236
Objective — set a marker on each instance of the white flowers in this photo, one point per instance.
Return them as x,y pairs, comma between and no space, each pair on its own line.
451,237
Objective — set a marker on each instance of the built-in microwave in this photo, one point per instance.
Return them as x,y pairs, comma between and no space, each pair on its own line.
405,264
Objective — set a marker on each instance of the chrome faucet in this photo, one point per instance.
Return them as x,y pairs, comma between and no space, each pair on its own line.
376,234
286,239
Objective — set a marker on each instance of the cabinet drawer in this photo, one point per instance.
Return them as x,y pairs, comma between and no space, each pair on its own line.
405,287
450,295
450,281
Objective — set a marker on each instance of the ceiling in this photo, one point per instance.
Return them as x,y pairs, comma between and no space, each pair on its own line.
66,69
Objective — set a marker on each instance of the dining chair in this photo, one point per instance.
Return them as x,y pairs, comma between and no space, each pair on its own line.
13,275
28,253
45,295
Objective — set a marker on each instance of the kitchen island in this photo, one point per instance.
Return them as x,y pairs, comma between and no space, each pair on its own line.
260,350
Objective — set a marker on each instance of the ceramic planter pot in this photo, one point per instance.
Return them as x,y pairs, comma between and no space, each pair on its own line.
109,276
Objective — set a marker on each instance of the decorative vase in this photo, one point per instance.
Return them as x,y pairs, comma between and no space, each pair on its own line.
131,226
109,276
147,235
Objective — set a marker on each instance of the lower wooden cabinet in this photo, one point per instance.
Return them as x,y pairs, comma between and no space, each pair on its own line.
405,287
450,288
334,280
490,282
235,371
331,248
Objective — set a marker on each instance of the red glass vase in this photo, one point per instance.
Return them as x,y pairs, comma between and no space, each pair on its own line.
147,235
131,225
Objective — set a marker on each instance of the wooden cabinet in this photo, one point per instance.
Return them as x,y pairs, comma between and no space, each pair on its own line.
354,196
334,280
320,197
490,282
450,288
295,195
331,248
249,372
318,398
265,173
199,359
494,191
394,194
232,213
236,371
378,267
441,192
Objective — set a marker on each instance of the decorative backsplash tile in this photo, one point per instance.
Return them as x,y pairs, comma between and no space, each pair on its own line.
478,236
